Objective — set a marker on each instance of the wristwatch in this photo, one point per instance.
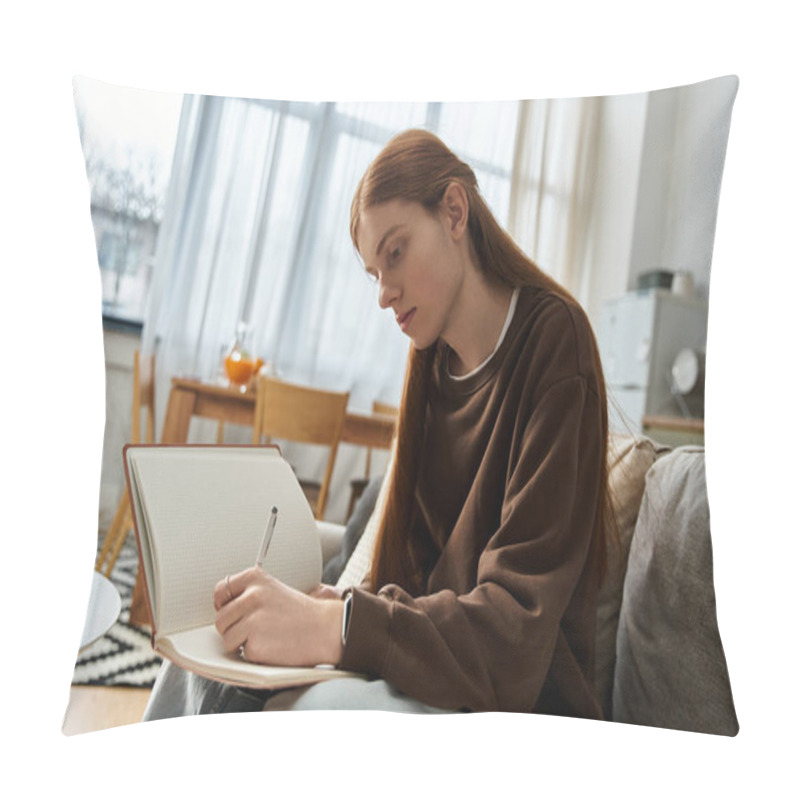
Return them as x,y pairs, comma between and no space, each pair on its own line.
348,602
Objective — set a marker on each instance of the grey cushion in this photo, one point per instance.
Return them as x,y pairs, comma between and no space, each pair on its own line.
671,670
629,459
355,527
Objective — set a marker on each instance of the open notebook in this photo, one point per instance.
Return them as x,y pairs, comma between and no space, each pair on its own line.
199,514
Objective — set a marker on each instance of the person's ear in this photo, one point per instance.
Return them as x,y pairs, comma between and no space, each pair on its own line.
455,208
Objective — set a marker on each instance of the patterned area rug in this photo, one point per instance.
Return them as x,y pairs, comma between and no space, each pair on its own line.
123,657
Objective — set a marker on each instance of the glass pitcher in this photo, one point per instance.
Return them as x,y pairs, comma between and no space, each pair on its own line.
240,363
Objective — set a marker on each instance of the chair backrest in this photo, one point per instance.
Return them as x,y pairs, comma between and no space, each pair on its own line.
388,411
144,375
384,408
301,414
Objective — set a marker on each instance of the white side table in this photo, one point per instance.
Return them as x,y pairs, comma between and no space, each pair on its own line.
104,607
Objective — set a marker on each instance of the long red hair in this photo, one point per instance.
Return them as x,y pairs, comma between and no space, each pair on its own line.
417,166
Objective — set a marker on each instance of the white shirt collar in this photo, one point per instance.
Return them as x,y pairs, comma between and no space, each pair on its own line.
509,316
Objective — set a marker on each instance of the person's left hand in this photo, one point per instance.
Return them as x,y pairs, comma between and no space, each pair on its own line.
275,623
327,592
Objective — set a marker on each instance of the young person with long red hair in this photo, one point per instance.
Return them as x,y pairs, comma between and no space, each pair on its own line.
483,589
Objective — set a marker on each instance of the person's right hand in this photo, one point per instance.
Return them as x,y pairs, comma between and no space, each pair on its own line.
269,622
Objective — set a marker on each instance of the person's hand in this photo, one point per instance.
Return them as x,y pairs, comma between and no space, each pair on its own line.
275,623
326,592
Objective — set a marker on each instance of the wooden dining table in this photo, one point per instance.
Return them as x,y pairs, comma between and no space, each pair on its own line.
190,397
228,403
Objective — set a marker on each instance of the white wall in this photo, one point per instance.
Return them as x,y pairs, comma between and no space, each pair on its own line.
616,190
119,350
682,160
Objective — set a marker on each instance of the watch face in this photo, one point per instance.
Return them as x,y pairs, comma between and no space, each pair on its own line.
346,616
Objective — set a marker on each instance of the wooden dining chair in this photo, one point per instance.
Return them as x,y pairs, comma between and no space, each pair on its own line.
301,414
143,400
357,485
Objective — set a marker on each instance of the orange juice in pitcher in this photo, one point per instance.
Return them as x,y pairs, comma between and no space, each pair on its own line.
240,365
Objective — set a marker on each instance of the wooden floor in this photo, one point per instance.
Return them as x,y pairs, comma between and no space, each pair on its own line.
95,708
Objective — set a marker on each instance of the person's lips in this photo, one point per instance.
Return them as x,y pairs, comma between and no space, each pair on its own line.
404,320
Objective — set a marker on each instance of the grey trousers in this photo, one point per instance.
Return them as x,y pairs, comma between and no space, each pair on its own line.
178,693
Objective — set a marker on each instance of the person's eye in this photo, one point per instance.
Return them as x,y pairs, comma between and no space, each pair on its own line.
395,253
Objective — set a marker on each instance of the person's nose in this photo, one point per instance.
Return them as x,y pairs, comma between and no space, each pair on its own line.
388,293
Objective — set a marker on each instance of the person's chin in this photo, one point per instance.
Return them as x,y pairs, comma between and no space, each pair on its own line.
422,343
421,336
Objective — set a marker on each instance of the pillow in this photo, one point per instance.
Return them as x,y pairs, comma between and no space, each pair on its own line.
671,670
629,459
649,165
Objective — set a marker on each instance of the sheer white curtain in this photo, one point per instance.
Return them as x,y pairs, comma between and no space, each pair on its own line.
554,187
256,228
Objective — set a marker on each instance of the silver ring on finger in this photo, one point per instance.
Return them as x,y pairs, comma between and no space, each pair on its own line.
228,586
241,651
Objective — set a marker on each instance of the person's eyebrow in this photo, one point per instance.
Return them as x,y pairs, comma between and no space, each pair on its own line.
385,237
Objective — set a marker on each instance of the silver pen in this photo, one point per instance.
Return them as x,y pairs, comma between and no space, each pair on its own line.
262,551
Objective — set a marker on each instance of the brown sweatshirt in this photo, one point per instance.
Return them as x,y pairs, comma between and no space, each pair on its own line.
507,497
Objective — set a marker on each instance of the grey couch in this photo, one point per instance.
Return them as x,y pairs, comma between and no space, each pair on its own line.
659,658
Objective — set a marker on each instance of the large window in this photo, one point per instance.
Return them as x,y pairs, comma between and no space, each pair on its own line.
128,137
277,198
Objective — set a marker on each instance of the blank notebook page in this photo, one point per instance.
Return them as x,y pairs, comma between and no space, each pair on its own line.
207,511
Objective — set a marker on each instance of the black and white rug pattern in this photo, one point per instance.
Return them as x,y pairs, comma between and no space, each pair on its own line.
123,657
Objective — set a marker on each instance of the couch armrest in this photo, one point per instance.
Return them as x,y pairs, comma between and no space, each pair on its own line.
671,670
330,537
